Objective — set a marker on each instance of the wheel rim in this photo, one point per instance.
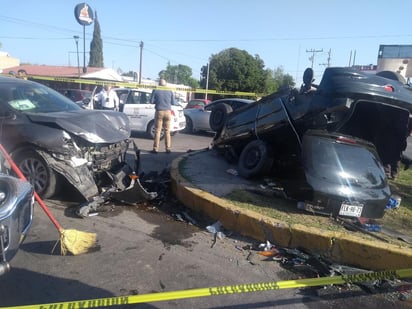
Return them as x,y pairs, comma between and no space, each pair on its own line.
36,173
252,158
153,131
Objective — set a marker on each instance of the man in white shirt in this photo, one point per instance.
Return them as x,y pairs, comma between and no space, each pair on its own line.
108,99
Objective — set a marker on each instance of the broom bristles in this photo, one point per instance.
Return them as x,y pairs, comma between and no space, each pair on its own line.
76,242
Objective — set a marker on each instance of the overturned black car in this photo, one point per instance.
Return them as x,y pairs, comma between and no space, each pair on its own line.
51,140
326,144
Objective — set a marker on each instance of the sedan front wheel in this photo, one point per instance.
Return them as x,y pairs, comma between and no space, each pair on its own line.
37,172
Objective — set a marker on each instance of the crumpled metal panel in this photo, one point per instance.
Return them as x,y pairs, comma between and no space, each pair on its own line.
93,126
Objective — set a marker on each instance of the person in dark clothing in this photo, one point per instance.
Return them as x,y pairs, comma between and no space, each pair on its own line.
163,100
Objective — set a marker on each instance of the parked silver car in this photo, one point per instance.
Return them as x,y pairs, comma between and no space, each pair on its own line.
197,119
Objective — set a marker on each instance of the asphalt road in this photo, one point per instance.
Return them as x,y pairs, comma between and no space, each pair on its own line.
145,249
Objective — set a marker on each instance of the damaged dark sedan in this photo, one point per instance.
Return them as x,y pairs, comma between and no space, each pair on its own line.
52,139
327,144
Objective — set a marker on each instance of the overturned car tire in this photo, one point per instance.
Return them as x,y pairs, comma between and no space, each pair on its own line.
218,116
255,159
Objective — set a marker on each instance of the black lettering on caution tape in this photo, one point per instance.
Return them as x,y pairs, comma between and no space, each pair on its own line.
91,303
370,276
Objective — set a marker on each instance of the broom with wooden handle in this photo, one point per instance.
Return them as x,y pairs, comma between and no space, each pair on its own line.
73,241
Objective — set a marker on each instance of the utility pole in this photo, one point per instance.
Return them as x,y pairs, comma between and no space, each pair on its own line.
313,51
84,50
140,67
328,59
76,39
207,81
351,64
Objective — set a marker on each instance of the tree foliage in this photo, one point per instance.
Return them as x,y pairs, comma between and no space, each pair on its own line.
236,70
277,79
179,74
96,46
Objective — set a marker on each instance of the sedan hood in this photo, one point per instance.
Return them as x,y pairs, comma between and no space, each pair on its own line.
93,126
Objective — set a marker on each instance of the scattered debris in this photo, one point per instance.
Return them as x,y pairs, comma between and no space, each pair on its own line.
214,228
309,265
358,225
179,217
153,187
394,202
189,218
232,171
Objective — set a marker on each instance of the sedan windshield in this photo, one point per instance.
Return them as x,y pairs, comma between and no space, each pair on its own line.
35,98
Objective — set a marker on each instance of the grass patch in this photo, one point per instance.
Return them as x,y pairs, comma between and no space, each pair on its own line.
281,209
401,219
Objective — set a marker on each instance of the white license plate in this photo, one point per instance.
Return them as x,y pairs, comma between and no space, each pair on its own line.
350,210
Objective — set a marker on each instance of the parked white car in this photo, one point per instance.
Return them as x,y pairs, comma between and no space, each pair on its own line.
135,103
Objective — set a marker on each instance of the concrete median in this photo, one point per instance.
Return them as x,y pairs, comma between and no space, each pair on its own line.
197,190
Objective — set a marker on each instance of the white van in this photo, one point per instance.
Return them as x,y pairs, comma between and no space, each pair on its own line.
135,103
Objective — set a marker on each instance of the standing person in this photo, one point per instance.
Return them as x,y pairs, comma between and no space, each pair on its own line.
114,100
163,100
108,99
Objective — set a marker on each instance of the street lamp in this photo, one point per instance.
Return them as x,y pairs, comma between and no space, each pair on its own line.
76,39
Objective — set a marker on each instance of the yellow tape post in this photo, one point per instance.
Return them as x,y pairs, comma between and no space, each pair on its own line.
224,290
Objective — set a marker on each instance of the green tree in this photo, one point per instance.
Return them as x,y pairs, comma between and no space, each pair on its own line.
179,74
96,46
236,70
278,79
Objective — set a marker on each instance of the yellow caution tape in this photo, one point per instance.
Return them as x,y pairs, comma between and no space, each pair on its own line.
137,85
224,290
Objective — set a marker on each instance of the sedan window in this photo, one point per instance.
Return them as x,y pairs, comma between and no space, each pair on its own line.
37,99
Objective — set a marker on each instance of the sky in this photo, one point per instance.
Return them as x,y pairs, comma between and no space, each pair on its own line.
283,34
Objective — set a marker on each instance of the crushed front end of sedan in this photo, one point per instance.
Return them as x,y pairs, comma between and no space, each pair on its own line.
53,141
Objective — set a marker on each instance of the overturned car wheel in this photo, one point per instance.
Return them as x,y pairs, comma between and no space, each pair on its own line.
255,159
218,116
37,172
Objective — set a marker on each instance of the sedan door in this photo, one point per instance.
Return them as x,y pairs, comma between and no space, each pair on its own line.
202,117
138,108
